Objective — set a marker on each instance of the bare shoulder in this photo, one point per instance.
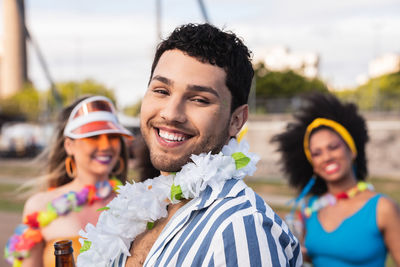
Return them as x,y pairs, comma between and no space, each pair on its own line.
38,201
387,211
388,206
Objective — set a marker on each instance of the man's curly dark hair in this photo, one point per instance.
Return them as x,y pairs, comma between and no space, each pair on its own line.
221,48
290,143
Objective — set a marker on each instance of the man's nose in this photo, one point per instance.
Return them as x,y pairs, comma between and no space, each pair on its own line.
174,110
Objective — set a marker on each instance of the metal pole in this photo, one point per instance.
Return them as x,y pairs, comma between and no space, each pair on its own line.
203,11
42,61
158,19
46,71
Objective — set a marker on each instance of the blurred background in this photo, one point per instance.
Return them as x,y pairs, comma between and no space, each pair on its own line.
54,51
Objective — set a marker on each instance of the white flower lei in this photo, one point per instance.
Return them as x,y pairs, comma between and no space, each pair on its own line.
139,204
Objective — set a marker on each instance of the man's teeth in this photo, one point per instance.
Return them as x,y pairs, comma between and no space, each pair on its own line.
171,136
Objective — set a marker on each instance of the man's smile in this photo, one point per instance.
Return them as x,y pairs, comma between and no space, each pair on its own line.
171,137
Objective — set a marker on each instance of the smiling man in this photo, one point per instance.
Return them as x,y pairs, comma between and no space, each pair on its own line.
195,105
196,101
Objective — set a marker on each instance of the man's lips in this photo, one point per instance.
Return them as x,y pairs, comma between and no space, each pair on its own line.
171,137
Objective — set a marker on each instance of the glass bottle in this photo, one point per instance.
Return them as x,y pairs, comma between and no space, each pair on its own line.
64,253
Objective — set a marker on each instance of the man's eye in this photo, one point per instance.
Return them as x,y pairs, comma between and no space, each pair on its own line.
201,100
160,91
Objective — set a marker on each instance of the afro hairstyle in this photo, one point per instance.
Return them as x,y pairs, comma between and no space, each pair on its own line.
290,143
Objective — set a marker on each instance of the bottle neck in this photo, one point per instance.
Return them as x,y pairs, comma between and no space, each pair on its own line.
63,252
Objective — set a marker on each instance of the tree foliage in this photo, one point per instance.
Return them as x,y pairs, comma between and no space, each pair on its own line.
381,93
133,110
287,84
24,103
71,90
33,104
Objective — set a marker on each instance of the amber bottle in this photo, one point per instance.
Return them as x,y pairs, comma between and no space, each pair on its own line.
64,253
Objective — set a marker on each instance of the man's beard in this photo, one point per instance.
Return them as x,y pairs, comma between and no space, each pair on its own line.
211,143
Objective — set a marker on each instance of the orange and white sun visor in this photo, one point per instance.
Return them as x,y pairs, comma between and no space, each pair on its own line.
94,116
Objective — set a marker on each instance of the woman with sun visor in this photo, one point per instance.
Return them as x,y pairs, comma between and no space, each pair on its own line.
85,163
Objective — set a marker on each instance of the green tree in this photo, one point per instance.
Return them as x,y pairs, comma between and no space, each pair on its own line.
287,84
133,110
277,91
71,90
32,104
380,93
24,103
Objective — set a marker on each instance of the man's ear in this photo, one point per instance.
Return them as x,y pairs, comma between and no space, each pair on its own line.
238,119
68,144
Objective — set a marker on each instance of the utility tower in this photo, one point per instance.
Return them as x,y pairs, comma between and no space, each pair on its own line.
14,61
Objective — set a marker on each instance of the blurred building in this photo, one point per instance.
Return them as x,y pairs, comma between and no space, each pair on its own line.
385,64
22,139
281,59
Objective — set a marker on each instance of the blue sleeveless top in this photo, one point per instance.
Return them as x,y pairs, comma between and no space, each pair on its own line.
357,241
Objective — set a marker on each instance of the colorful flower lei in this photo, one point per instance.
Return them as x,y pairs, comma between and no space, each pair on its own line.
137,206
28,234
329,199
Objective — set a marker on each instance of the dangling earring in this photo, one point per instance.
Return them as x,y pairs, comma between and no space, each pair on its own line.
121,167
70,167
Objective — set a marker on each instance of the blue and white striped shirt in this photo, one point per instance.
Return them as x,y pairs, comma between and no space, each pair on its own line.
233,227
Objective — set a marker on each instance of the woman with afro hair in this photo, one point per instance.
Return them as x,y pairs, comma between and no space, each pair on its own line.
346,223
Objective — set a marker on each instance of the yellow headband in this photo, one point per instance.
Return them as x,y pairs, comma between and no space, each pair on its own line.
337,127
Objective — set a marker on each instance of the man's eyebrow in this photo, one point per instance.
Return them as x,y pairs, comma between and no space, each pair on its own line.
199,88
194,88
163,80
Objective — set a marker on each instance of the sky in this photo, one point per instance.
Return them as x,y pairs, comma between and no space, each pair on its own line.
113,42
